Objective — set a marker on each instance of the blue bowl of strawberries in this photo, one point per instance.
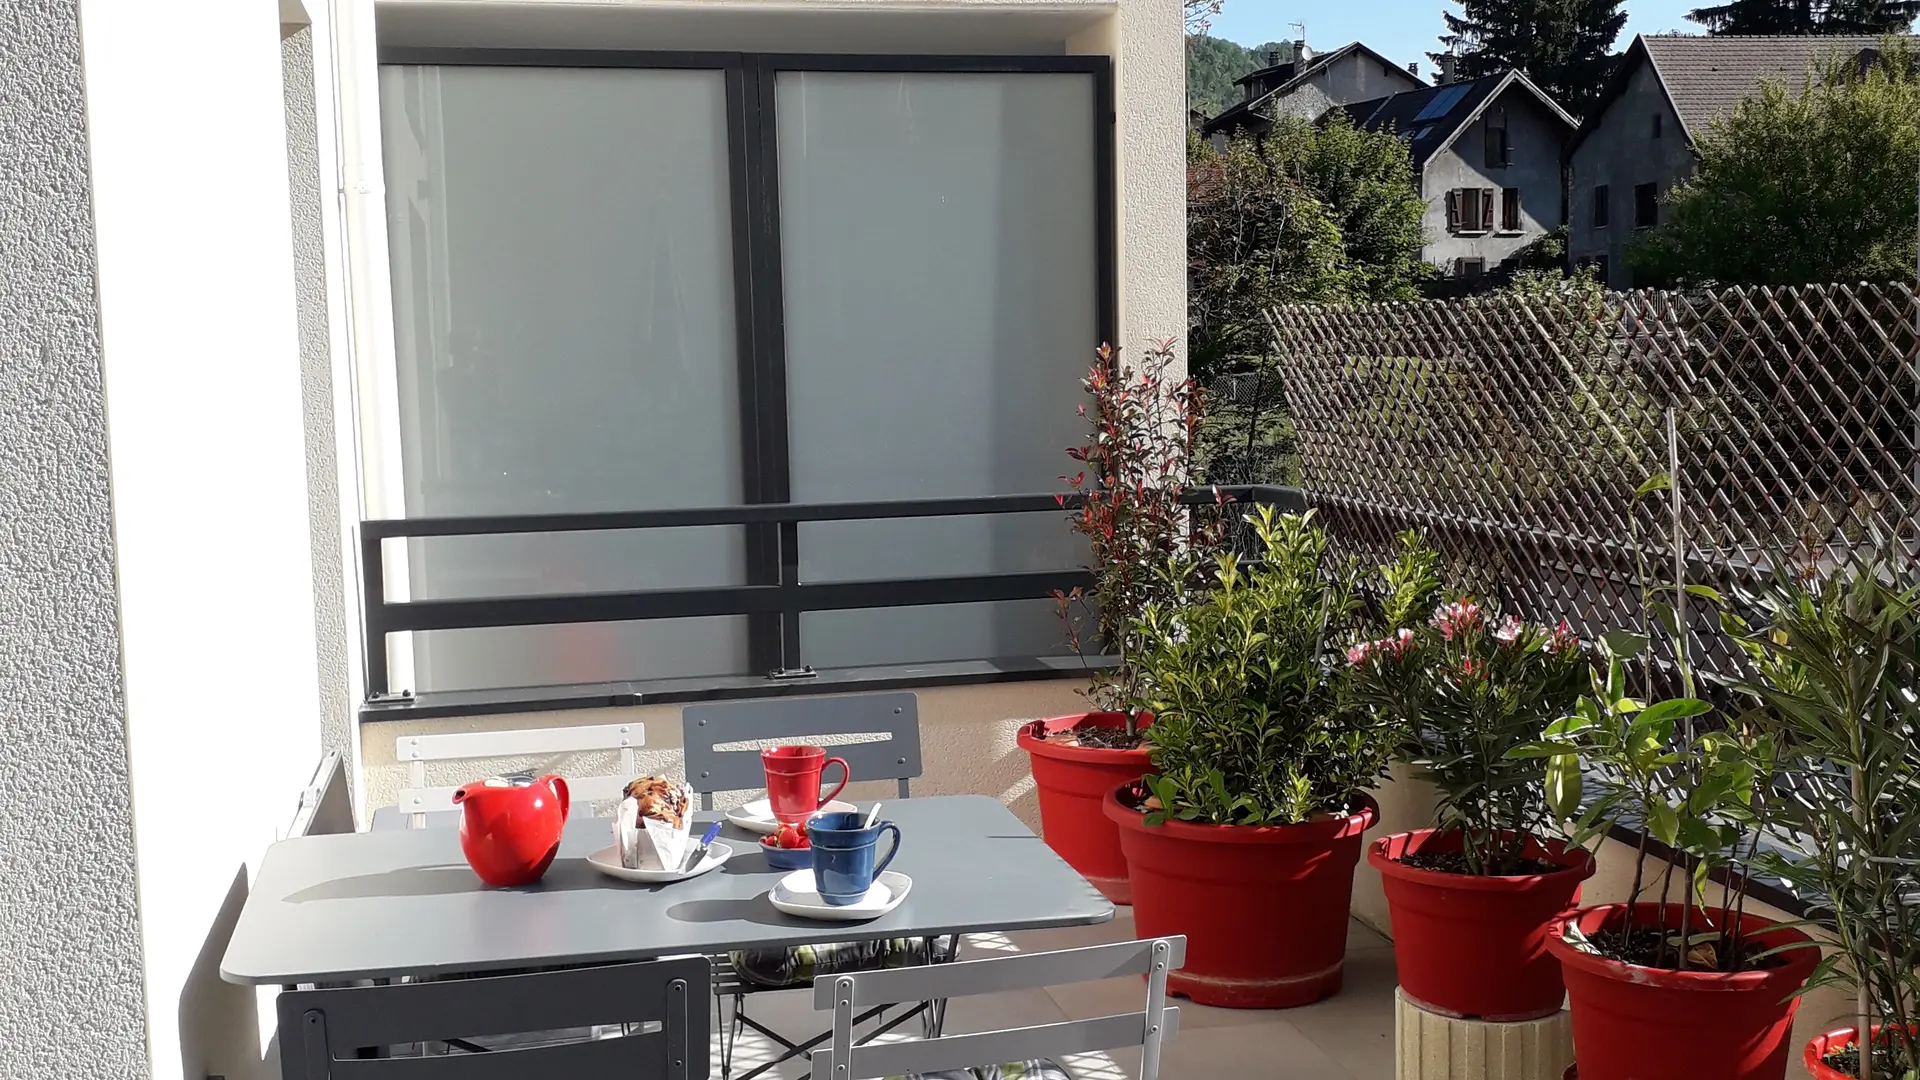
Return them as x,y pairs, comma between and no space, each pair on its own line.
787,848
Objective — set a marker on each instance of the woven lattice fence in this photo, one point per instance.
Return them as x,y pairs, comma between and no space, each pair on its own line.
1515,431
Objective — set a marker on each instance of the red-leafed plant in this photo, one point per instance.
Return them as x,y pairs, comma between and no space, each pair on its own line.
1137,462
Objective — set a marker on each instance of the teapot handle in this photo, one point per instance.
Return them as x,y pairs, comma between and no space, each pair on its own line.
559,786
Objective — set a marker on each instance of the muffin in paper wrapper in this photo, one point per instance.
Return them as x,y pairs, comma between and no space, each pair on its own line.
654,829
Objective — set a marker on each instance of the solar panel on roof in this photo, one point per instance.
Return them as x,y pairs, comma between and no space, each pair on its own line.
1443,102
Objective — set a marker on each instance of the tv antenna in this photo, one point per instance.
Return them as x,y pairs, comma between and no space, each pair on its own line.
1299,30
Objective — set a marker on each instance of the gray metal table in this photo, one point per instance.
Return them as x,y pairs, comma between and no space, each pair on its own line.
379,905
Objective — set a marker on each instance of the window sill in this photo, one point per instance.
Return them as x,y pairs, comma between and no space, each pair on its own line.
448,703
1471,234
1507,234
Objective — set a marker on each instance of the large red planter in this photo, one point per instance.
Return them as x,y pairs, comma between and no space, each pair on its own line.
1637,1023
1821,1045
1264,908
1071,781
1477,946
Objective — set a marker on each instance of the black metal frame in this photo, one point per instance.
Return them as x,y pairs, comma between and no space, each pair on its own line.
786,597
772,543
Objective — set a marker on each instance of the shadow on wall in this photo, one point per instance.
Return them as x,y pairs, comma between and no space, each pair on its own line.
219,1021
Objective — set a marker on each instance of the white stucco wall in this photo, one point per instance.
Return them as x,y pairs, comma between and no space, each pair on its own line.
212,541
70,997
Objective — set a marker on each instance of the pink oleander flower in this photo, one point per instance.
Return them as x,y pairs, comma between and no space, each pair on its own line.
1472,668
1403,640
1456,618
1564,638
1509,630
1358,654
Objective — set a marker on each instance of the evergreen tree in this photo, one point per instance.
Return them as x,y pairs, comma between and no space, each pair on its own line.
1769,17
1564,46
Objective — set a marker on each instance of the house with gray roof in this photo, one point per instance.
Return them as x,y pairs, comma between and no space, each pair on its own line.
1306,84
1486,155
1638,140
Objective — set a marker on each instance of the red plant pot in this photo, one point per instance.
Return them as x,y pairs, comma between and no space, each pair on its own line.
1639,1023
1071,781
1821,1045
1264,908
1467,945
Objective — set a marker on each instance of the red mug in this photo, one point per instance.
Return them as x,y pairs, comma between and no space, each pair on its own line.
793,781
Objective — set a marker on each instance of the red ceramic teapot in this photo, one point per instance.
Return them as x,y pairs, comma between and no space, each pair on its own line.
510,828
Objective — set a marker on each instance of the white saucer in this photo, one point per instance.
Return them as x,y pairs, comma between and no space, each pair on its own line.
607,861
757,816
795,894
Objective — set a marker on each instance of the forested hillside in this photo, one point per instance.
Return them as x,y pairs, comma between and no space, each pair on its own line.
1212,65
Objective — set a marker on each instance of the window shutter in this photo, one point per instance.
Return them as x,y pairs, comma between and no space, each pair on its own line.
1486,210
1453,210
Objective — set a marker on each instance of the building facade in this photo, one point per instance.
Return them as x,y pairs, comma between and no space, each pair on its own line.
1307,84
243,314
1637,142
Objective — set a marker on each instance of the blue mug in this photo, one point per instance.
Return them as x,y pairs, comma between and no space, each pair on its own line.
843,863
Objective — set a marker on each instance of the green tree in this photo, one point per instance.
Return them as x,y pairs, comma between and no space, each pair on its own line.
1774,17
1308,214
1813,185
1214,63
1564,46
1365,179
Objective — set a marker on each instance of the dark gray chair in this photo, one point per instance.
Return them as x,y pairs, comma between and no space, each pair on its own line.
659,1006
705,728
894,755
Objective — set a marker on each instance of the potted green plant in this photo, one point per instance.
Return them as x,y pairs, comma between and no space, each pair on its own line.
1835,663
1127,504
1245,836
1471,898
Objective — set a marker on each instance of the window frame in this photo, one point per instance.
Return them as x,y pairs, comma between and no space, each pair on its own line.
1602,217
752,138
1512,214
1641,221
1498,147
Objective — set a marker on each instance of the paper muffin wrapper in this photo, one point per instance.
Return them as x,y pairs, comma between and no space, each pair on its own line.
647,844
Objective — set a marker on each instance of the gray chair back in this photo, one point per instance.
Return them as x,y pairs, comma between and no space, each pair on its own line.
332,1034
326,805
1147,1028
706,727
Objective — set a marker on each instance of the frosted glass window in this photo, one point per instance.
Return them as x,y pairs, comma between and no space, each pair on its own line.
561,251
939,251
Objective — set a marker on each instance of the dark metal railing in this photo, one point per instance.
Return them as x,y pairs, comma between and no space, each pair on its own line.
776,604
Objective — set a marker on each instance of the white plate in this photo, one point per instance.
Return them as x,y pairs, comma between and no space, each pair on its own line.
795,895
607,861
757,816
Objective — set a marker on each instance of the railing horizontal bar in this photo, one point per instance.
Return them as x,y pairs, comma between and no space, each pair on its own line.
776,513
756,514
722,600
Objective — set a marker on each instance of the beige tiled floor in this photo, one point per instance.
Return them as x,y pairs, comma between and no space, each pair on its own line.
1348,1037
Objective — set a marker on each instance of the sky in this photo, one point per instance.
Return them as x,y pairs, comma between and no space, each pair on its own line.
1401,30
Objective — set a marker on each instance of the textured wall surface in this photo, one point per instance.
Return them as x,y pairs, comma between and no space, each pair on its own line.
316,388
1621,153
70,981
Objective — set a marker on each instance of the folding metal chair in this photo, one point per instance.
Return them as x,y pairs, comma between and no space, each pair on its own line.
1031,1048
658,1006
419,804
891,752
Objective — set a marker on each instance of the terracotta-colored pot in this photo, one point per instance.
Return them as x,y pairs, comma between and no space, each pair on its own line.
1821,1045
1475,946
1264,908
1071,781
1639,1023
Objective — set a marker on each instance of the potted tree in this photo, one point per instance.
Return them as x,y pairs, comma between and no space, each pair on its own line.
1245,836
1471,898
1127,504
1834,666
1659,989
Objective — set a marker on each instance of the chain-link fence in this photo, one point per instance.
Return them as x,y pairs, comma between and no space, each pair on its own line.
1515,432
